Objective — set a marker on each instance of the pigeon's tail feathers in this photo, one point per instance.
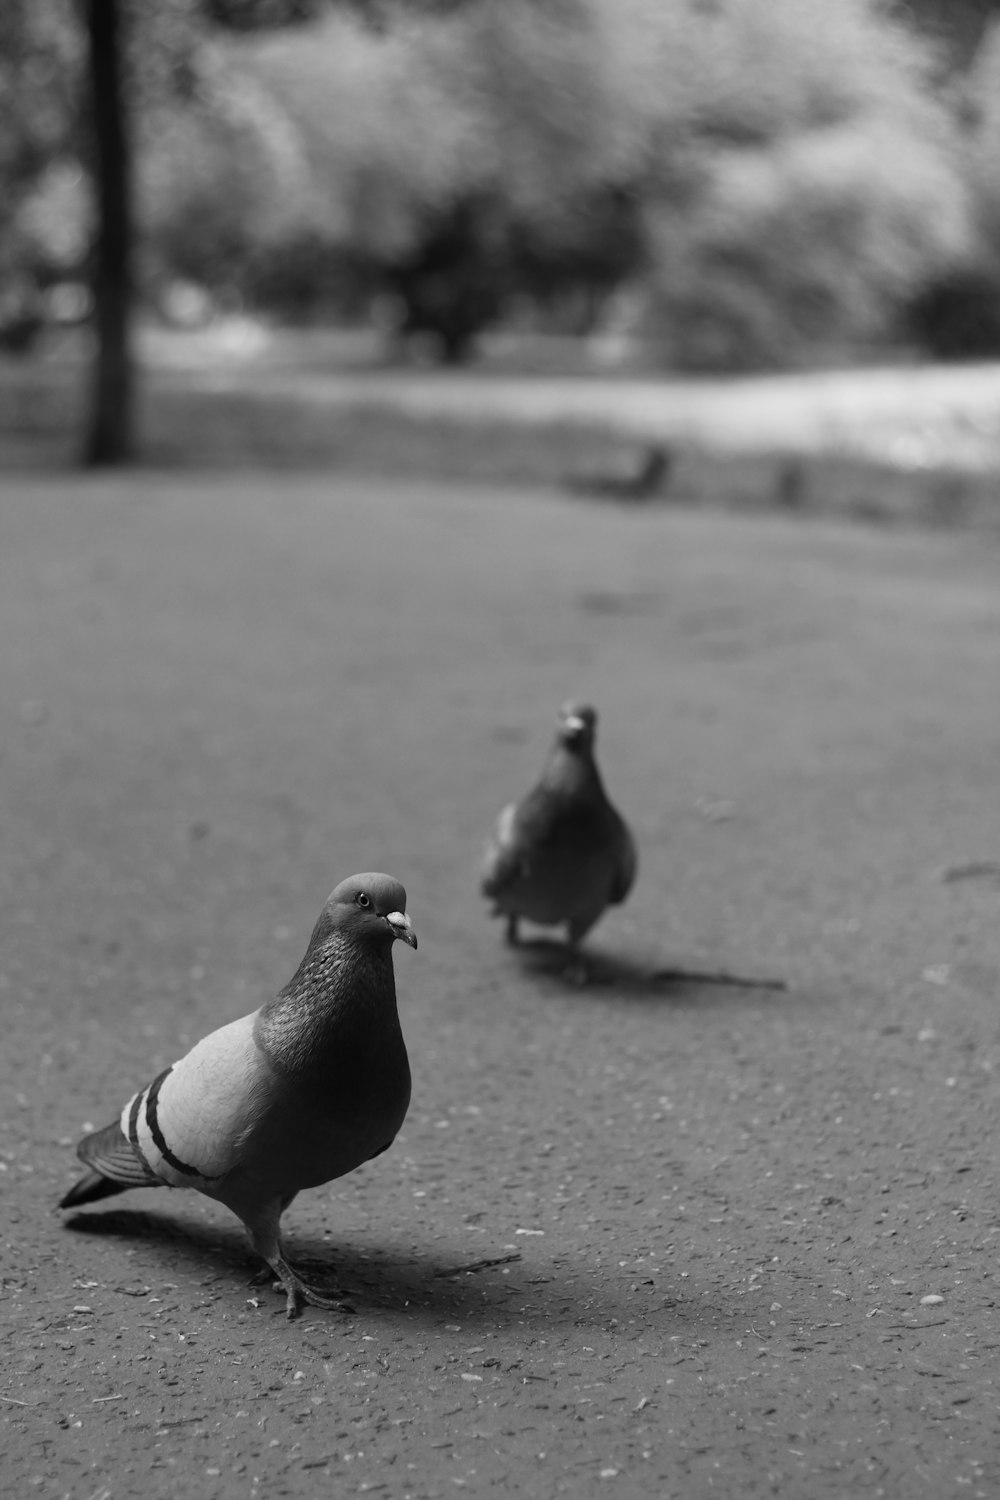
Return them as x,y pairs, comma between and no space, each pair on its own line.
110,1152
115,1166
91,1188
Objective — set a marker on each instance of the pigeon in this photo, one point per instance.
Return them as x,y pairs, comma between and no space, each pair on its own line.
563,853
302,1091
643,475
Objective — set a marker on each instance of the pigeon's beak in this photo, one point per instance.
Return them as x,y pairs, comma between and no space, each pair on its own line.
573,724
401,927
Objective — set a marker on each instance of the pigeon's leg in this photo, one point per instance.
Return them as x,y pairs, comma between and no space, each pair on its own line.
267,1272
512,928
577,971
263,1227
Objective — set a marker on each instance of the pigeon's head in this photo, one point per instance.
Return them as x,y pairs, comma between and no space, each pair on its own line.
371,908
577,726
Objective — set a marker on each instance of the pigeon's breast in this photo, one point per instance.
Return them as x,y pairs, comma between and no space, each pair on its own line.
556,889
568,873
322,1124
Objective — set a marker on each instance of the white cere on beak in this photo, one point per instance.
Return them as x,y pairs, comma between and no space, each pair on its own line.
402,927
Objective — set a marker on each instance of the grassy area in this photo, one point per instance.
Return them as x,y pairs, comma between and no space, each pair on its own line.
230,419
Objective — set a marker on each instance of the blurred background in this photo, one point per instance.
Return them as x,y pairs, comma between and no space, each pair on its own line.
245,198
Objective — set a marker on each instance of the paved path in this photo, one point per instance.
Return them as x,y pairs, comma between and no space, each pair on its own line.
730,1204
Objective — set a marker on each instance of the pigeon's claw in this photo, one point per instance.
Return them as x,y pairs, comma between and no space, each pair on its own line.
319,1299
576,972
298,1292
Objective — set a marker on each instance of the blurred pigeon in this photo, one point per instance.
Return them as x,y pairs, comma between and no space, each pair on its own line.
790,484
563,853
303,1090
645,474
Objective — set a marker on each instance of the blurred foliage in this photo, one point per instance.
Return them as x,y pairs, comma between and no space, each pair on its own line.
255,15
983,104
40,51
817,184
730,183
956,315
775,179
45,143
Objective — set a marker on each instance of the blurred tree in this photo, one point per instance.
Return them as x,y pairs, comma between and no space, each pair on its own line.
770,178
809,180
40,53
957,314
111,438
161,51
983,101
138,53
461,163
255,15
777,175
958,25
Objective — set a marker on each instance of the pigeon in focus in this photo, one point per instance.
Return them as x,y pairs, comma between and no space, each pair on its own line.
302,1091
562,853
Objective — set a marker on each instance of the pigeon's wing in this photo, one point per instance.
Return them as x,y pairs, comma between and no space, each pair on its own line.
626,868
189,1123
520,832
504,858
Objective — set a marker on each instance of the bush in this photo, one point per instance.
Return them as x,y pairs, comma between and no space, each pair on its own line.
813,190
806,249
956,314
983,98
775,176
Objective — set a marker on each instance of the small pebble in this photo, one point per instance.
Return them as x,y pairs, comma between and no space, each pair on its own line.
937,974
715,809
931,1300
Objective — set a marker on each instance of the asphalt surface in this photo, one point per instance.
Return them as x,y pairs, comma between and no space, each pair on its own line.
748,1173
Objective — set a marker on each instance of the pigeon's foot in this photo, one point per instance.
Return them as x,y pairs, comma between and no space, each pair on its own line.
576,971
512,929
298,1292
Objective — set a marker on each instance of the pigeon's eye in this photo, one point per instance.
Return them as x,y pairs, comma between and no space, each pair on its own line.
363,900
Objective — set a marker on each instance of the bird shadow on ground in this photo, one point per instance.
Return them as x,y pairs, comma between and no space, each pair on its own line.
170,1236
600,974
496,1289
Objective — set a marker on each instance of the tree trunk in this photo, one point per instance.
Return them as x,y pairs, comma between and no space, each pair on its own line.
110,437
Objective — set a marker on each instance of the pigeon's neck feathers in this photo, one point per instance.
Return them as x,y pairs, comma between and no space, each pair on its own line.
572,772
341,989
